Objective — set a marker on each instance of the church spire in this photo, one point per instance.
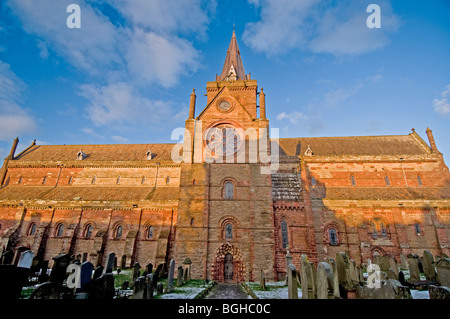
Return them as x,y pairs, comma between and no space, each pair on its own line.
233,69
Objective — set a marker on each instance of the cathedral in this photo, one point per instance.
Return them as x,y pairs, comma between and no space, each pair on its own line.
232,197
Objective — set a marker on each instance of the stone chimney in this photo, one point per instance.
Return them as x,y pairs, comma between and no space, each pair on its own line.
192,105
262,104
431,140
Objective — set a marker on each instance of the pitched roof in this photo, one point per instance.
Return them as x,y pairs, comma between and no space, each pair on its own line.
106,152
353,145
233,59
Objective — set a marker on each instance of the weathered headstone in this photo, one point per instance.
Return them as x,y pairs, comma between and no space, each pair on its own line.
12,280
139,288
46,290
180,276
125,285
390,289
441,292
170,276
403,262
333,266
292,282
428,266
393,266
43,276
353,273
97,272
443,272
187,262
149,286
59,268
262,280
345,281
306,276
159,288
26,259
85,276
109,263
413,262
102,287
324,282
149,268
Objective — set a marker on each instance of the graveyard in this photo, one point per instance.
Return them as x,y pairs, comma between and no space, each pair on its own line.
411,277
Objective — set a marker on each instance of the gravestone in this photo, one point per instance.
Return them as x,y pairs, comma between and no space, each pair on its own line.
12,280
136,273
428,266
159,288
26,259
85,276
353,273
187,262
292,282
325,281
102,287
109,263
403,262
47,290
171,274
393,266
43,276
345,281
333,266
288,262
306,278
59,268
443,272
441,292
139,288
125,285
180,276
97,272
414,274
262,281
148,269
149,286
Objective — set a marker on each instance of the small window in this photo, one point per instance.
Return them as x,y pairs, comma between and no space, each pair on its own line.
419,180
192,221
353,180
59,230
332,234
229,231
374,231
94,179
167,179
20,180
284,234
193,182
44,180
88,232
118,180
118,233
417,228
229,190
32,229
383,230
143,180
150,232
313,181
70,180
386,179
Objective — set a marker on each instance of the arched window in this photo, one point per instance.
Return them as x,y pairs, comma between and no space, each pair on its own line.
229,231
419,180
417,228
94,179
143,180
118,180
167,179
386,179
32,229
70,180
59,230
374,231
353,180
284,234
229,190
88,231
332,234
383,230
118,232
313,181
150,232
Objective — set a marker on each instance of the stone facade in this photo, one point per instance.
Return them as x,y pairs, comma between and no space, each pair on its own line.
366,195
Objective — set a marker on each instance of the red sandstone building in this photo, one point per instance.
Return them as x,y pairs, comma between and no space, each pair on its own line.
148,203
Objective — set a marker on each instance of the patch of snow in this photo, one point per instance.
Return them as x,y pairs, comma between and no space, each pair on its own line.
420,294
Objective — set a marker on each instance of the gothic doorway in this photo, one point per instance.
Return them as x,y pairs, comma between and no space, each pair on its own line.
228,268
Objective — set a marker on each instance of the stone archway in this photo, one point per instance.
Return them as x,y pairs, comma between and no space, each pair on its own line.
228,265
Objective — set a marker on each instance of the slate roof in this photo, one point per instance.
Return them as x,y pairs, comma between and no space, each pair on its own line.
353,145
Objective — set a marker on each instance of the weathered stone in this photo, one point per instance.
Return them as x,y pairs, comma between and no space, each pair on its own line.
437,292
443,272
428,266
414,274
292,282
325,281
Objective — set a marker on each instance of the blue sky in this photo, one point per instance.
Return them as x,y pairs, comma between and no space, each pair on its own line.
126,75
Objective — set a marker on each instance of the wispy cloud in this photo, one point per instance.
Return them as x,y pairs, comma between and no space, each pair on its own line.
337,28
15,120
442,106
293,117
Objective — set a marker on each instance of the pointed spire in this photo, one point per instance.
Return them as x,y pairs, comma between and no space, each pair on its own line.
233,68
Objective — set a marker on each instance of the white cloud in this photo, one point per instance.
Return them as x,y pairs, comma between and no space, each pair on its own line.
336,28
442,106
14,119
119,139
121,103
338,96
90,131
293,117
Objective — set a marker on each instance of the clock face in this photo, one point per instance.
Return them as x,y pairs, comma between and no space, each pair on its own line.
225,105
223,140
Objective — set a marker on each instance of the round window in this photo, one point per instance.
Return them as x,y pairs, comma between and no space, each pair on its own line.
225,105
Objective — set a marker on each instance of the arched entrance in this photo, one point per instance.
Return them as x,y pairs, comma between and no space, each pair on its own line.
228,265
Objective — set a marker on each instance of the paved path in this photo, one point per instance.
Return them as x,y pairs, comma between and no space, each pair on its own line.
227,291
